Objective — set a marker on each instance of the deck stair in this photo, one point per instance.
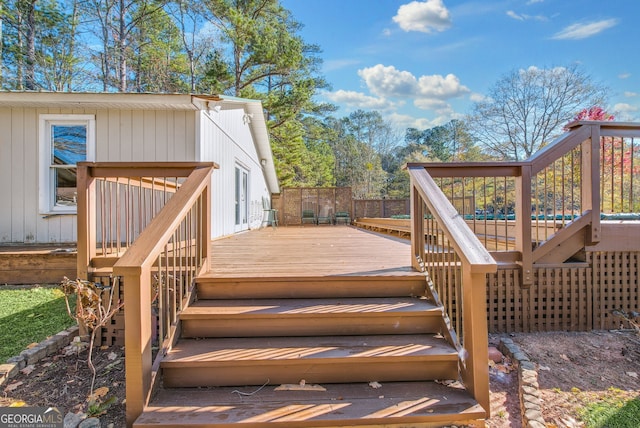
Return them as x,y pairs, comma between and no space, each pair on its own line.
325,339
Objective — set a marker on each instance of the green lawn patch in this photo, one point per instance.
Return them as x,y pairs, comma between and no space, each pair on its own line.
28,316
615,411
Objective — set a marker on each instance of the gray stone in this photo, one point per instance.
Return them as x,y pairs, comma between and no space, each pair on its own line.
72,420
64,338
527,365
533,415
8,370
34,354
520,356
528,405
90,423
530,390
51,346
531,399
506,341
18,360
536,424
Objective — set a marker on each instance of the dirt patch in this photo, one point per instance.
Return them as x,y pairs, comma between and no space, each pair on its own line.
574,368
64,381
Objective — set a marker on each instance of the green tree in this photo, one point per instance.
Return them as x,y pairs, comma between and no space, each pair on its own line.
263,57
158,63
39,45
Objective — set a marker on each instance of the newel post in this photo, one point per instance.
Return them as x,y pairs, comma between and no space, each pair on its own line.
417,229
590,193
137,340
476,336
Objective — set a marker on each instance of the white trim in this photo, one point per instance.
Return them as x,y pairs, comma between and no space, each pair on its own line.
46,203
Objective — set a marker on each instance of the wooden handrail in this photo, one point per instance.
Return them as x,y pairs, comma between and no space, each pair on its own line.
474,262
135,268
574,163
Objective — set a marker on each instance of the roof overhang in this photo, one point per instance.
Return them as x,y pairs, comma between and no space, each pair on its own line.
138,101
257,125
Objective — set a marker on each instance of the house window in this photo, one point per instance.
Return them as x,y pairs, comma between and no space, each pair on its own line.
65,140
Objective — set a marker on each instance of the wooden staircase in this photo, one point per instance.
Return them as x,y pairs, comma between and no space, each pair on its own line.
326,351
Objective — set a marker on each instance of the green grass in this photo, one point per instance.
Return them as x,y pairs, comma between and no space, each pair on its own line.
614,411
28,316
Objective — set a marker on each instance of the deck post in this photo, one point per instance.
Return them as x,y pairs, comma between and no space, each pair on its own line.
417,229
590,188
137,340
523,223
476,337
86,210
205,227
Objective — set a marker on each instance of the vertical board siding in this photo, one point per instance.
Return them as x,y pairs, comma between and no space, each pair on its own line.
227,140
6,157
121,135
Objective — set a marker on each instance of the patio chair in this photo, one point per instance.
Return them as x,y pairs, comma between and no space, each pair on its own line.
326,216
309,216
270,215
342,217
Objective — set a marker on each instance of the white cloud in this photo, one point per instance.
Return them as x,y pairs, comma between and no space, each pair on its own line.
387,81
423,16
514,15
625,108
478,98
624,76
582,31
630,94
359,100
404,121
386,32
524,17
439,87
626,112
534,1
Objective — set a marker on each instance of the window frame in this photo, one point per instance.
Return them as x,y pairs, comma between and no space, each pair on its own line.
46,189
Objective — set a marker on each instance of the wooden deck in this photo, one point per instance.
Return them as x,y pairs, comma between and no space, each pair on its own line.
311,251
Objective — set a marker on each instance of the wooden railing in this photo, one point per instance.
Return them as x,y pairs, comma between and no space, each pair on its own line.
457,264
116,202
547,208
158,268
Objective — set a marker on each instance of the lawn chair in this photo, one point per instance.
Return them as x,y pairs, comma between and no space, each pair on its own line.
269,215
326,216
342,217
309,216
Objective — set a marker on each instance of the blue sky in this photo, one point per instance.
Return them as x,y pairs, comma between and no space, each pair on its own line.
423,63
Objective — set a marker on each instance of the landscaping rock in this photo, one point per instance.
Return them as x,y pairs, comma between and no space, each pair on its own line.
495,355
90,423
72,420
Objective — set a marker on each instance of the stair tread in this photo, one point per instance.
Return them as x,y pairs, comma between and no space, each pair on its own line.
345,404
195,352
314,307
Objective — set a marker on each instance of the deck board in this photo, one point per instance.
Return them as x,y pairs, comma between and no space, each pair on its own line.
310,251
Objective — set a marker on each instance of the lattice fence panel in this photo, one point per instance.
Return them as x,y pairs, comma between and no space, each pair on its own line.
343,200
563,299
393,207
615,280
292,206
503,303
112,334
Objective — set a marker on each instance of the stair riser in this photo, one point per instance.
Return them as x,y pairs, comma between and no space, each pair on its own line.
298,289
292,373
334,325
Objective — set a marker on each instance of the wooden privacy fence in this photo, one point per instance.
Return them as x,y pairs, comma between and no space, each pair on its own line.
322,201
384,208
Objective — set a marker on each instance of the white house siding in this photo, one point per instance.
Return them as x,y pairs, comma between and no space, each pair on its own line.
121,135
226,139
